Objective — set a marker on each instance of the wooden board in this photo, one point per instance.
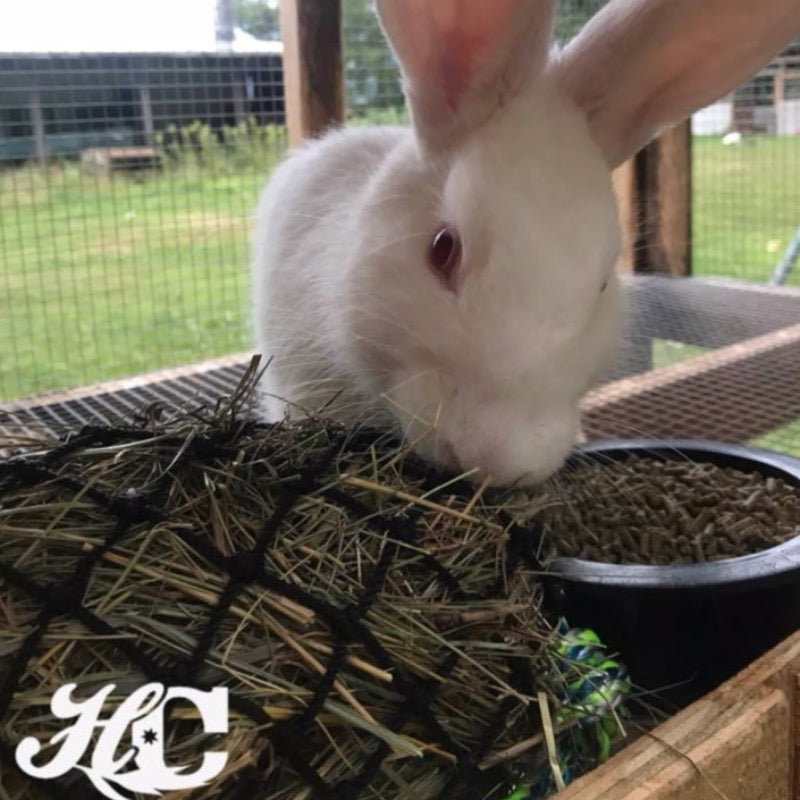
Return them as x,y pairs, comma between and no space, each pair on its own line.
313,75
109,159
733,393
737,743
654,198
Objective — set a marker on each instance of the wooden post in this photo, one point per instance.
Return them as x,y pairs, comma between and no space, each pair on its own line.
239,103
778,96
224,26
624,186
780,85
674,191
37,121
148,126
313,74
654,190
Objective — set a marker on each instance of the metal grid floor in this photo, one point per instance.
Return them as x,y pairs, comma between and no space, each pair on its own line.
702,358
115,401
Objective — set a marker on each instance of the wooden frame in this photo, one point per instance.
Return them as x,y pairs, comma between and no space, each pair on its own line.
753,336
737,743
313,76
762,372
654,192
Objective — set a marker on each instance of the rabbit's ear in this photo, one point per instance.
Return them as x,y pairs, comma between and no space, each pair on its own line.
461,59
641,65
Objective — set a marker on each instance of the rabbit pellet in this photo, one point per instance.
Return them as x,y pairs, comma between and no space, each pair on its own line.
648,511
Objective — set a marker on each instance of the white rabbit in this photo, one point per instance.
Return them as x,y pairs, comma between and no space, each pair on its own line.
456,278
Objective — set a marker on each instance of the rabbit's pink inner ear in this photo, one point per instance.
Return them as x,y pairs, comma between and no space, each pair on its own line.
454,54
457,56
470,34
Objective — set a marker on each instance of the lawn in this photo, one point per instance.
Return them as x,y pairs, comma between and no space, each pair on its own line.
108,276
746,205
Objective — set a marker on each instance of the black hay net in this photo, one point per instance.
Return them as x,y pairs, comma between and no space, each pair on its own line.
59,592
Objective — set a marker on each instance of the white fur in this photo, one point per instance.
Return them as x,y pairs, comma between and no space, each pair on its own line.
488,377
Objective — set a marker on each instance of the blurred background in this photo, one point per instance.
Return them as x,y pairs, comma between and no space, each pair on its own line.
135,137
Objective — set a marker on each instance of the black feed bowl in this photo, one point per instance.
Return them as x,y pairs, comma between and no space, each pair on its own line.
684,629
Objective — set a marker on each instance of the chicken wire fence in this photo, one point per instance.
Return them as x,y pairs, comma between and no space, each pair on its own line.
127,183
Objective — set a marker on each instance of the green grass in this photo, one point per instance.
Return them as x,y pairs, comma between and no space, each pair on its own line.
666,353
108,276
746,205
785,439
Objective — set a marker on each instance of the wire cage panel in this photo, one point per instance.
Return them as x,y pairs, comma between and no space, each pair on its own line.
701,358
127,183
746,176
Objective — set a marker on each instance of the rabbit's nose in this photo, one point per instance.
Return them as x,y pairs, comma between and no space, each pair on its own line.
487,463
445,454
450,457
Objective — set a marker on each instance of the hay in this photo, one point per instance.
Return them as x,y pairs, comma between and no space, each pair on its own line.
380,630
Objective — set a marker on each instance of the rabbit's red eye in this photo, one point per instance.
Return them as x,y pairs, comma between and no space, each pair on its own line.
445,253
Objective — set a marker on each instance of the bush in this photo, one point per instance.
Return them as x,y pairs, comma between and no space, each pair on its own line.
224,150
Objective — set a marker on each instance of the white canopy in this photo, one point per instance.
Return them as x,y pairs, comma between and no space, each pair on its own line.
117,26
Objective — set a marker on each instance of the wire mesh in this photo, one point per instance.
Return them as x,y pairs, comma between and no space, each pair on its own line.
127,181
705,358
701,358
372,85
746,175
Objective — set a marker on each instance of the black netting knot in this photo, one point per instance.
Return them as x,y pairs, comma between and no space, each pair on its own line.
208,446
404,525
246,566
178,673
63,598
289,736
345,623
133,507
344,790
305,481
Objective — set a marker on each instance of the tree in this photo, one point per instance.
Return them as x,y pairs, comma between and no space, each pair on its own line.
371,75
370,70
259,18
224,24
572,15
